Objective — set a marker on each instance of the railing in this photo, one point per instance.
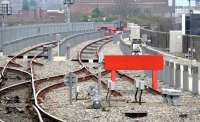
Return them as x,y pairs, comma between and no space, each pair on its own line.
162,39
195,44
158,39
178,72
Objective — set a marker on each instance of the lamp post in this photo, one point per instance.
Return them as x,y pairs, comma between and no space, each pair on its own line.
67,12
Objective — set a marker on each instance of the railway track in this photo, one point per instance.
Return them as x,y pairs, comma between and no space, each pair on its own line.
23,85
12,61
45,85
90,51
40,87
18,91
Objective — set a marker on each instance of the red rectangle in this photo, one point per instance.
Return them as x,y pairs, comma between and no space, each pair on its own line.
133,62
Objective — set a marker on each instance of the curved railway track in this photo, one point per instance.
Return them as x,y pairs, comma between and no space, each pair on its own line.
89,51
11,61
40,87
43,86
9,89
40,92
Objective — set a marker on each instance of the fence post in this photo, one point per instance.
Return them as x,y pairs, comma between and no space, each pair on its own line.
195,79
178,76
58,37
185,77
171,74
68,51
49,53
160,75
166,72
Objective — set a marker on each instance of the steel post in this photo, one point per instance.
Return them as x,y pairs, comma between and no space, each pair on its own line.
99,79
195,79
171,74
178,76
166,72
70,91
185,77
49,53
68,51
58,37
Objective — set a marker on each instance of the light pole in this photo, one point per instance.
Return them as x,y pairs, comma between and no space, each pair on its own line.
67,12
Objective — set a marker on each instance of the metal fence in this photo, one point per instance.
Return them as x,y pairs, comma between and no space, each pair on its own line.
158,39
161,40
17,45
195,44
16,38
10,34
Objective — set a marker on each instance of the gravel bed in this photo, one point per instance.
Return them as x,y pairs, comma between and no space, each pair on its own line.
3,60
18,111
56,102
111,48
44,84
54,68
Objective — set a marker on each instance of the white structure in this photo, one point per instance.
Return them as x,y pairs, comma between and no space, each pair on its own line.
175,42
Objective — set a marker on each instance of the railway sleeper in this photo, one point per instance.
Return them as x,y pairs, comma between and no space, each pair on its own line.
136,114
14,76
2,78
13,109
10,99
89,60
29,57
13,63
